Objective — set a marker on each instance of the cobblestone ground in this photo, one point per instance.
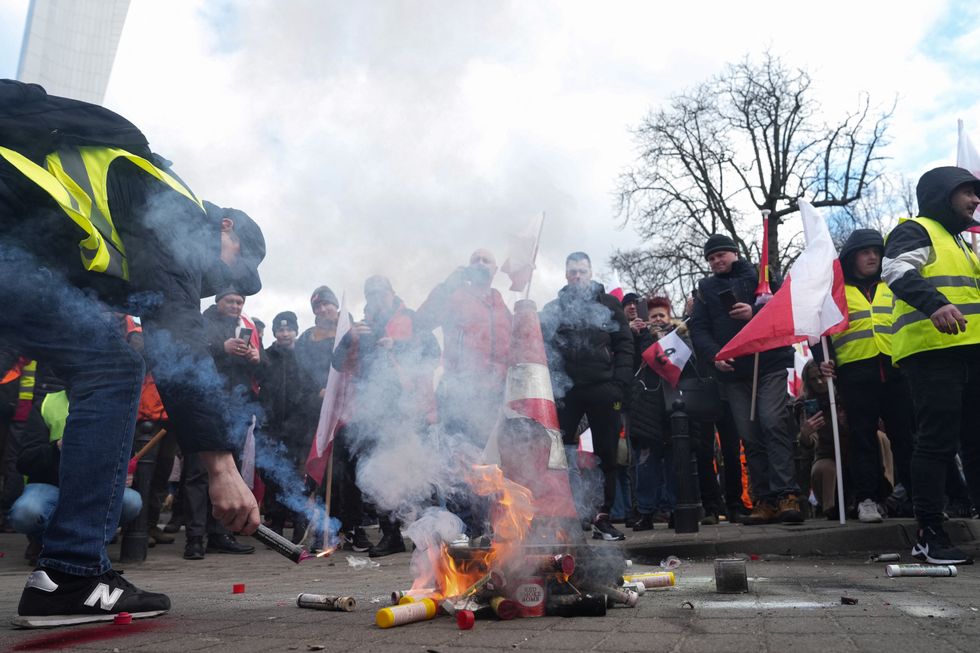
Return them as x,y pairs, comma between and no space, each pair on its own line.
794,604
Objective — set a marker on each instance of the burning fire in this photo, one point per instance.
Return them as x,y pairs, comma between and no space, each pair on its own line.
511,517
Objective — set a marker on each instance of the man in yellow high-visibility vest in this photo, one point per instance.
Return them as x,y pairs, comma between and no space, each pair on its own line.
92,221
935,277
871,388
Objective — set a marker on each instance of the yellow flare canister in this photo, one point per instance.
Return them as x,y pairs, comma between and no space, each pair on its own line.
399,615
653,580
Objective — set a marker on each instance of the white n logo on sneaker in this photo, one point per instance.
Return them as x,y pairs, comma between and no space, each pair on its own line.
105,598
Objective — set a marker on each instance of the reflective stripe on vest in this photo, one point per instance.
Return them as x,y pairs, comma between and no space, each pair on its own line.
954,271
869,326
76,178
28,375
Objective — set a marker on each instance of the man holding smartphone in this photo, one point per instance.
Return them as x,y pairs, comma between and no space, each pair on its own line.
723,305
233,343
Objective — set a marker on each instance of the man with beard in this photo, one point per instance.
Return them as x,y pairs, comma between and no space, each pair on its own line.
934,275
393,362
90,217
723,305
589,346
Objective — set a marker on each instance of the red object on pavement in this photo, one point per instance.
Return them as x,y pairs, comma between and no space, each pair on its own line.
238,588
465,619
123,619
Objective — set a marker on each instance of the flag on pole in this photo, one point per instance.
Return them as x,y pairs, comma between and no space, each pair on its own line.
968,158
523,250
809,304
762,292
333,408
667,357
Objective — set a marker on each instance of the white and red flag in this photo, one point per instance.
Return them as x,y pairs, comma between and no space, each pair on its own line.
809,304
667,357
968,158
521,255
334,406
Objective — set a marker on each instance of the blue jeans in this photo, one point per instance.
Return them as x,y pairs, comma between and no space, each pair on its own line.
656,482
52,321
623,505
32,511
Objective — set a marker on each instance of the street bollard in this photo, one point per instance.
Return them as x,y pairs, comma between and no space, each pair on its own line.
687,514
135,535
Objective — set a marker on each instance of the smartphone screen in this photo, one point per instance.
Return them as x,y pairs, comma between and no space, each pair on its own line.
642,311
727,298
245,334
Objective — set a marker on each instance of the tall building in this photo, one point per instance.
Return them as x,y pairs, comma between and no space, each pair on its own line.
69,46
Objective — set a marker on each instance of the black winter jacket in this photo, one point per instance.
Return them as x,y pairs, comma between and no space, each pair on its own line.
236,370
587,339
171,246
290,400
711,328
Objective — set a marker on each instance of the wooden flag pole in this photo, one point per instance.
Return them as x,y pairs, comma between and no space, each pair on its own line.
534,257
833,421
761,289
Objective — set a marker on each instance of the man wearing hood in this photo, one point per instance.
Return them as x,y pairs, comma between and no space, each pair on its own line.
934,275
90,217
589,345
723,304
871,388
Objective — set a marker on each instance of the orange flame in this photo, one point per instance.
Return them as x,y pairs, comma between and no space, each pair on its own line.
511,516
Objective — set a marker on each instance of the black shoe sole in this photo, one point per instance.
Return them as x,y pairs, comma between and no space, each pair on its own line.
54,620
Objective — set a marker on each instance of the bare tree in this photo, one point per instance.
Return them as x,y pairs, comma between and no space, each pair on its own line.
752,137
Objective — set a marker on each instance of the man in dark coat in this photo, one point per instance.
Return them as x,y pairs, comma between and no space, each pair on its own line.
724,303
589,346
156,256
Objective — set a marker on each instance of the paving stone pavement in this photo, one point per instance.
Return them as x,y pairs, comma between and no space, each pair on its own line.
794,604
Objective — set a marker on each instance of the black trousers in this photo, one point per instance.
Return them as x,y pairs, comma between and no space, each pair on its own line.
945,386
198,516
605,423
873,389
731,456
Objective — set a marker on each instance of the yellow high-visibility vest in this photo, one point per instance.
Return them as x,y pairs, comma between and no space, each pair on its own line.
955,272
28,378
869,328
76,178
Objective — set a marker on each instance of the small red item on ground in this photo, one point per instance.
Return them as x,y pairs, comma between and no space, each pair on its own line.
123,619
465,619
753,556
238,588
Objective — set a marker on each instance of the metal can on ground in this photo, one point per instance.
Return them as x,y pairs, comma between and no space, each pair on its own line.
894,571
324,602
730,576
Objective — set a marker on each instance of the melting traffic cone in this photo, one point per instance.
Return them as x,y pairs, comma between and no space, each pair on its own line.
538,463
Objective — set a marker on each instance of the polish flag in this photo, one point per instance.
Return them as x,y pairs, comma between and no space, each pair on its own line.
810,303
335,402
667,357
968,159
521,255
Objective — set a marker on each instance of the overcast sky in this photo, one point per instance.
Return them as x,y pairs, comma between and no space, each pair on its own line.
396,137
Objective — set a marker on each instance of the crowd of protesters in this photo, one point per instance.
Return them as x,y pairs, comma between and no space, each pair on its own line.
233,422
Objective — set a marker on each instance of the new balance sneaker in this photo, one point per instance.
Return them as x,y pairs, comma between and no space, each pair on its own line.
868,512
52,598
934,546
357,540
602,529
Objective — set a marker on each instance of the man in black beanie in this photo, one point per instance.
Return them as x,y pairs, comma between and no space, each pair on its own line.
290,400
723,304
